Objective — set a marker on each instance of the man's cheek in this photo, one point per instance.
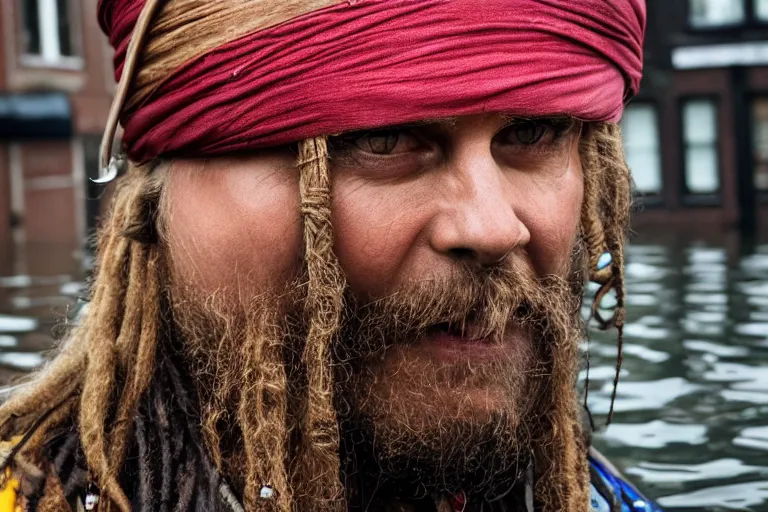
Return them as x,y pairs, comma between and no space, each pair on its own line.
373,245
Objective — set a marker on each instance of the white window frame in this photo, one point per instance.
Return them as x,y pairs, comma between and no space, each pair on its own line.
761,15
716,25
630,148
714,145
50,49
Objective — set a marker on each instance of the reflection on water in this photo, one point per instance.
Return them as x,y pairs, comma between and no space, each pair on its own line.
37,293
691,423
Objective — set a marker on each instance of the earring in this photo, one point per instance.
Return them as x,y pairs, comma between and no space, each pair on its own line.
602,274
601,270
266,493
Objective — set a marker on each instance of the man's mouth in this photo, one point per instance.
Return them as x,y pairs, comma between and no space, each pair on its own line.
469,340
447,332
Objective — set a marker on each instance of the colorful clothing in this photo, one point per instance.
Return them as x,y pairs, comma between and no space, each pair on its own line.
611,492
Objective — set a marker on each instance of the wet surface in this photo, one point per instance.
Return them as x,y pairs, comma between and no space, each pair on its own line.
39,291
691,423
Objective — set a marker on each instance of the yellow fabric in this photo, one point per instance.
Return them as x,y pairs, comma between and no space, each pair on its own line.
8,493
9,486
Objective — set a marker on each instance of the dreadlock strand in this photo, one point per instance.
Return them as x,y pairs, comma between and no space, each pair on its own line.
100,382
561,485
30,447
262,416
617,205
591,221
144,350
320,451
127,343
64,375
56,383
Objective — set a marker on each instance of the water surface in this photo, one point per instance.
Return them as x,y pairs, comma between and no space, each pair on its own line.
691,422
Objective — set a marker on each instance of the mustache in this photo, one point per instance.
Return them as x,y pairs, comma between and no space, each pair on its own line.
484,300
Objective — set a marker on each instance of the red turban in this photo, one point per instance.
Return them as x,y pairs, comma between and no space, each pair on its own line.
370,63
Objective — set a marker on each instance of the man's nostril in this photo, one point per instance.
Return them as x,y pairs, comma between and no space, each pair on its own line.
463,253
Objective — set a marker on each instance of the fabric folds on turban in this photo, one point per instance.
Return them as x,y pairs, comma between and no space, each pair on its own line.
368,63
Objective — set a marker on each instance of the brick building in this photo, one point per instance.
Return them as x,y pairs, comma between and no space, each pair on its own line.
696,137
55,90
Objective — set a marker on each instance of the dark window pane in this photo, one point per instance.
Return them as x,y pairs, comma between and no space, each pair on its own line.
30,34
65,27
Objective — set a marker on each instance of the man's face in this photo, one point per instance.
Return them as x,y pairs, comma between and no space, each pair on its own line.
420,213
407,205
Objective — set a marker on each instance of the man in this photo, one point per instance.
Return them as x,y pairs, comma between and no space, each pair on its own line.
343,269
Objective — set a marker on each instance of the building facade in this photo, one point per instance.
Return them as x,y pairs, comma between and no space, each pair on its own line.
696,137
55,90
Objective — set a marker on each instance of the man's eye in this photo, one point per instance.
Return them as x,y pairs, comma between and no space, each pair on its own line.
526,134
386,142
382,144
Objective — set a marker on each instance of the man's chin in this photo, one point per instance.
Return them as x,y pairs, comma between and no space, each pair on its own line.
473,446
436,418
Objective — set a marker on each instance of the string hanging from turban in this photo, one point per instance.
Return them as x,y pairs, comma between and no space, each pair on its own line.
338,66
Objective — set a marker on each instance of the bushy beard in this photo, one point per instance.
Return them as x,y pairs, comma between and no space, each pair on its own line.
466,424
410,422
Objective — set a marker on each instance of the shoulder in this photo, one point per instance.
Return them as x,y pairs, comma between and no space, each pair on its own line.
611,491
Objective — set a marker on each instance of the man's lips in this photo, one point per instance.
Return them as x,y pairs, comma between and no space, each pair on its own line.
469,333
470,341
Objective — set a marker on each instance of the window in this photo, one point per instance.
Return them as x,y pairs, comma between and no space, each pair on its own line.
760,143
640,129
702,166
761,10
715,13
47,35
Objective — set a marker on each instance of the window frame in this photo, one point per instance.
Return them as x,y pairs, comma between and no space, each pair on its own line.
747,9
760,194
750,21
50,49
649,198
689,198
752,11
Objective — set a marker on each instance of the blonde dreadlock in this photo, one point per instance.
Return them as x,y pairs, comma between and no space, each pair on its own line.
326,288
605,223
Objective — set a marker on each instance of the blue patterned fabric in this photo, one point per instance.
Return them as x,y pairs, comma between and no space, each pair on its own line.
609,487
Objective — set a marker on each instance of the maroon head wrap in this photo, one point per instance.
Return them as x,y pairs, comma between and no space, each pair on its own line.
369,63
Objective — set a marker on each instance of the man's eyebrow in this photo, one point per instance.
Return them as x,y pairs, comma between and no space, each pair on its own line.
511,118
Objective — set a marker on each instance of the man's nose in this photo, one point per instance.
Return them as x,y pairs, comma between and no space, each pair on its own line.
477,221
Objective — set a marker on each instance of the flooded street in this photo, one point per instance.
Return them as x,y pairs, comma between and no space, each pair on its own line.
691,423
